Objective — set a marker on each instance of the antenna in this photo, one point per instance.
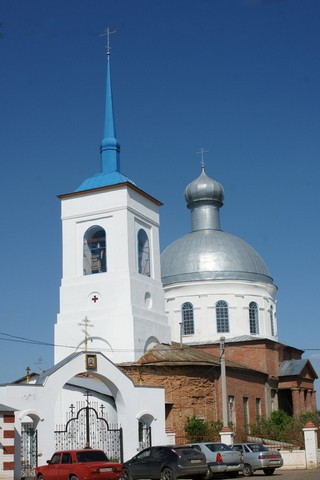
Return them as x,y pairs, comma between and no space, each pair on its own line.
107,34
202,152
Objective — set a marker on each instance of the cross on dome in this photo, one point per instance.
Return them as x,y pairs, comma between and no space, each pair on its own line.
202,152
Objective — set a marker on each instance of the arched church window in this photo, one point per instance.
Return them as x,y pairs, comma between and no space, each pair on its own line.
143,253
271,320
94,251
253,318
187,319
222,316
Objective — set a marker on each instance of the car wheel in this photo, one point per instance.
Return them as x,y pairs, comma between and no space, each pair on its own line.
40,477
73,477
167,474
247,470
268,471
126,475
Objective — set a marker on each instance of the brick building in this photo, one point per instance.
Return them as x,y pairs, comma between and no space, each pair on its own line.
192,381
191,377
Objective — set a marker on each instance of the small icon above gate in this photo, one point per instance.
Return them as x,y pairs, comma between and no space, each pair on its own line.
91,362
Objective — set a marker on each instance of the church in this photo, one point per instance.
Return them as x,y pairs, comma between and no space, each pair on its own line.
150,331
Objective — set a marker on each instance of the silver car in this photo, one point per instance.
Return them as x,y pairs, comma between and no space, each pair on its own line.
257,456
220,458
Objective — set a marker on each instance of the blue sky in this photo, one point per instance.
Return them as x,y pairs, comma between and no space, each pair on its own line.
240,78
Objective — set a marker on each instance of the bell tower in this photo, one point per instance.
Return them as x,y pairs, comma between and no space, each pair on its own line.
111,279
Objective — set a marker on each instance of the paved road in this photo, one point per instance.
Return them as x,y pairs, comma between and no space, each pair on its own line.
280,474
294,474
291,475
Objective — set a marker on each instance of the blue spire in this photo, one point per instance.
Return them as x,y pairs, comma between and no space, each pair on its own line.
110,147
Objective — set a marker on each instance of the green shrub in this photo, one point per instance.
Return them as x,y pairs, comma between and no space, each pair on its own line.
199,430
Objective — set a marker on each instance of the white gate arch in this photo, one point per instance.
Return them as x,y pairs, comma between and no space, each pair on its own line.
39,399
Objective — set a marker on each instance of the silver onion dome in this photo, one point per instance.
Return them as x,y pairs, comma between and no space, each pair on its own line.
208,253
204,188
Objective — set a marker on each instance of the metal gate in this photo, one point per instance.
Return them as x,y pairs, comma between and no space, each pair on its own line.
144,435
88,429
29,450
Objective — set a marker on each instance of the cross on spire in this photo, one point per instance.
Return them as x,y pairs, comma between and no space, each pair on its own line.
85,323
107,34
202,152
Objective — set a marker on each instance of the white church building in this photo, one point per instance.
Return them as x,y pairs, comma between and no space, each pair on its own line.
118,299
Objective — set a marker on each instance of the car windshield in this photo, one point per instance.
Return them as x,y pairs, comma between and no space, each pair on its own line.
217,447
257,447
92,456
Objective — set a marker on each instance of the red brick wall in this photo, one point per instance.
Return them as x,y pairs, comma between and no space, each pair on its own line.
196,391
264,356
7,422
189,391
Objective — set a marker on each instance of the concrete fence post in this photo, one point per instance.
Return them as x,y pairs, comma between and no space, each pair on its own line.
311,445
226,435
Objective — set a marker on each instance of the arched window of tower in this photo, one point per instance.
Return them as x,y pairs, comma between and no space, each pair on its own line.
94,251
143,253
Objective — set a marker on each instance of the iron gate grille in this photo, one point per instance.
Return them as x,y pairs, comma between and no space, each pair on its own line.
144,435
29,450
89,430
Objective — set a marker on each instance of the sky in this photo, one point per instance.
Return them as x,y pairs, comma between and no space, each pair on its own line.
239,78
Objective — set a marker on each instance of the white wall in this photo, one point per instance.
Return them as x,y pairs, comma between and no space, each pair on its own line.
40,401
127,301
204,295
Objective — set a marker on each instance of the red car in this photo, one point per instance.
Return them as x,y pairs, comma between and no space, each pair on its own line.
86,464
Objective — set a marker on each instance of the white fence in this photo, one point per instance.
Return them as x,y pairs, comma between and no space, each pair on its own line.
309,458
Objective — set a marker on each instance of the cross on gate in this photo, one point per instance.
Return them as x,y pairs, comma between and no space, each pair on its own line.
85,323
95,298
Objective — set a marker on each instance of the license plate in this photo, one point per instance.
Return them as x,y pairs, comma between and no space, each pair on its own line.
274,462
195,461
106,469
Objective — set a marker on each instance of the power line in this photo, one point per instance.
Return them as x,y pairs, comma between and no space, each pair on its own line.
19,339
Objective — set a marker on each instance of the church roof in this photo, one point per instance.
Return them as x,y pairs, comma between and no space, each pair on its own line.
47,373
290,368
211,255
207,252
173,355
5,408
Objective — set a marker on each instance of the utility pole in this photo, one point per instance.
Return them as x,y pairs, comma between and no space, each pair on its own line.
223,382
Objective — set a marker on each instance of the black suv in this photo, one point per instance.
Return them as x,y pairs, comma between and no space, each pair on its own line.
166,463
